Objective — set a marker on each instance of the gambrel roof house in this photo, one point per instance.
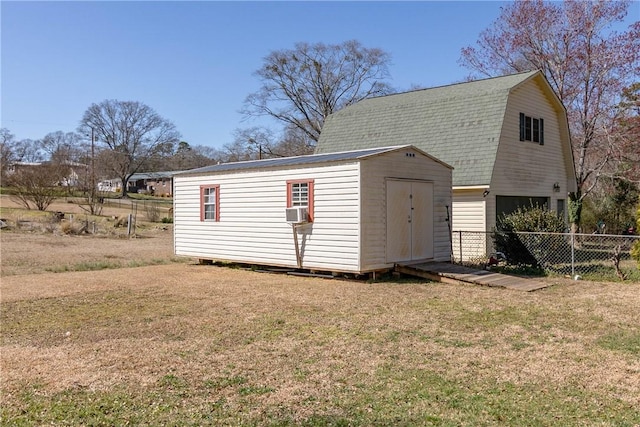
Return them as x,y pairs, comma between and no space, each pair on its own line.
506,137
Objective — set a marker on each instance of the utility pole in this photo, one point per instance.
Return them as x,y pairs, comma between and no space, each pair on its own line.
93,173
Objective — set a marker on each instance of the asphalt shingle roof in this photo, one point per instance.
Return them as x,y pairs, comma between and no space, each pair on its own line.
459,124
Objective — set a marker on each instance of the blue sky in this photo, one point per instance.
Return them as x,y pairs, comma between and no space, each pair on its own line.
193,62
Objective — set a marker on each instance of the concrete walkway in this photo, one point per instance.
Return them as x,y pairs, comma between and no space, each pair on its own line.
453,273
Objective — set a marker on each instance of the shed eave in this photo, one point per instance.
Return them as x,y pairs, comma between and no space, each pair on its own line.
470,187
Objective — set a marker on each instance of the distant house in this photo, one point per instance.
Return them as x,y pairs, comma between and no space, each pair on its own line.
17,166
110,185
506,137
156,183
75,173
358,211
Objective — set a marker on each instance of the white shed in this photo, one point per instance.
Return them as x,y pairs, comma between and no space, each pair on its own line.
358,211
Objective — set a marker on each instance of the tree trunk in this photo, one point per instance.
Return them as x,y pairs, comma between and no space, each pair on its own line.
575,210
124,188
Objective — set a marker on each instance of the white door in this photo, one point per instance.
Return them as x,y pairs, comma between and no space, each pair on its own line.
409,220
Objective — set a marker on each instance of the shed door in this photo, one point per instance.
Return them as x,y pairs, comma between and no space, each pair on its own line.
409,220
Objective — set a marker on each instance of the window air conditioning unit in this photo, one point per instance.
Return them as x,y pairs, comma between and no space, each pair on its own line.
296,215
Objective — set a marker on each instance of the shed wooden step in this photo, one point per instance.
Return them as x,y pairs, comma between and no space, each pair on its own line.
454,273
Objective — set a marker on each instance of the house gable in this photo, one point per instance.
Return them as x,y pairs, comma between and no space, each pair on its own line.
526,163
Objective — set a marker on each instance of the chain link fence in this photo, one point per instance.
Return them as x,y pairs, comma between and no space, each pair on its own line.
589,256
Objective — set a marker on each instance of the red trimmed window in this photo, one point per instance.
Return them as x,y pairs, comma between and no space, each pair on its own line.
209,203
300,193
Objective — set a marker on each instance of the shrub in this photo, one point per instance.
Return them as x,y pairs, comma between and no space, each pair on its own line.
152,211
529,249
68,227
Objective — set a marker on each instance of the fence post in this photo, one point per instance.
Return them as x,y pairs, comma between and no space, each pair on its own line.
129,225
460,245
573,265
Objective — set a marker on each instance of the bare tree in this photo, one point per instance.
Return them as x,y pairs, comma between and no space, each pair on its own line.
13,151
188,157
295,142
250,144
29,151
303,85
131,131
7,155
62,147
205,156
627,131
240,151
37,185
585,62
261,143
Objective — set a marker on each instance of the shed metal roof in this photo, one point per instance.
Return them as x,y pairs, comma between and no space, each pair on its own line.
298,160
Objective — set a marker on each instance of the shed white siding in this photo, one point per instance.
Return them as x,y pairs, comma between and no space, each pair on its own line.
348,232
399,165
252,225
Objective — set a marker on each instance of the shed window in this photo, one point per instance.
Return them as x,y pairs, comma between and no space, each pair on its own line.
300,193
210,203
531,129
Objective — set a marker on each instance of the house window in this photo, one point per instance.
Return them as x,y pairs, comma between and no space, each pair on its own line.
210,203
300,193
531,129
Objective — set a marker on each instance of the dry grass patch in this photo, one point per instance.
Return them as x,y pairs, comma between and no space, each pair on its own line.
203,345
184,344
24,253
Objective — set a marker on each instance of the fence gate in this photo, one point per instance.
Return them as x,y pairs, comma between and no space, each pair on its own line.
409,220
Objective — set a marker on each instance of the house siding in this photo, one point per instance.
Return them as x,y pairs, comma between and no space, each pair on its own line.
252,225
469,222
526,168
468,211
